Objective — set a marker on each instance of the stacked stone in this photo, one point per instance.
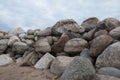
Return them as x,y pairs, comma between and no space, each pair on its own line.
90,51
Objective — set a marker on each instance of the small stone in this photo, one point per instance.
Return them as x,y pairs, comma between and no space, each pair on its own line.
12,40
100,32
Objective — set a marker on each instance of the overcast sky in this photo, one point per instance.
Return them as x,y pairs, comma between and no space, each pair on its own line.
45,13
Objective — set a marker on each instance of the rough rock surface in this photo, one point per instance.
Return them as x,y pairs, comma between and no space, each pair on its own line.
79,69
66,25
45,61
5,59
99,44
75,45
59,64
110,57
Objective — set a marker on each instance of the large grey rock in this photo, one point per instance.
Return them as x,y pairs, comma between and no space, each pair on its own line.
75,45
111,71
99,44
12,40
19,47
42,45
59,45
105,77
30,32
66,25
86,53
115,33
5,59
110,57
79,69
59,64
45,61
90,23
3,45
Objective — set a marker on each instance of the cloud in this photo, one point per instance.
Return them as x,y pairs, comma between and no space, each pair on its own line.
44,13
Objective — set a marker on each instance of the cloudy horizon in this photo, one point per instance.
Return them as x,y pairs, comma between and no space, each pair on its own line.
31,14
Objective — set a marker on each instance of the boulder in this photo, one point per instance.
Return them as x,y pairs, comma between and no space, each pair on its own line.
66,25
59,45
46,32
79,69
108,24
59,64
86,53
100,32
89,35
12,40
19,47
110,57
115,33
45,61
5,59
30,59
75,45
105,77
90,23
43,46
111,71
3,45
99,44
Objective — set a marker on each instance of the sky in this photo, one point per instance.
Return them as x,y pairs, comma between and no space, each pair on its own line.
32,14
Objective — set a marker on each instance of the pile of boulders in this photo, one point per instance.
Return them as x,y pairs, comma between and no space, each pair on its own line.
90,51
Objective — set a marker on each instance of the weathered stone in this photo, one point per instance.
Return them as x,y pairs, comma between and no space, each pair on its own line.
59,45
42,46
61,54
86,53
29,42
89,35
66,25
75,45
79,69
100,32
90,23
99,44
12,40
105,77
3,45
115,33
110,57
108,24
30,59
5,59
19,47
50,39
45,61
111,71
59,64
